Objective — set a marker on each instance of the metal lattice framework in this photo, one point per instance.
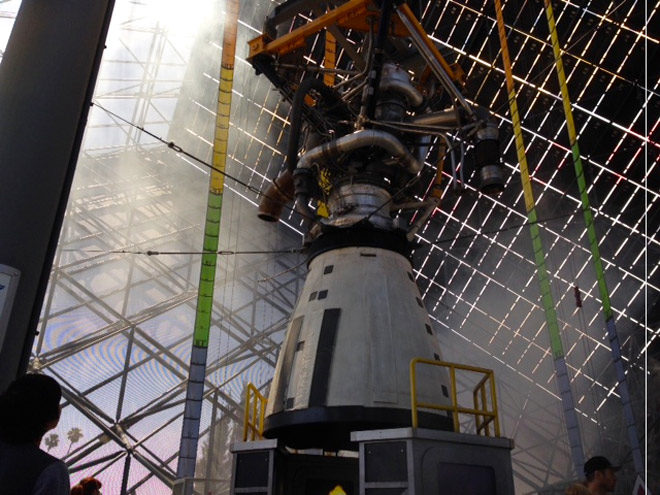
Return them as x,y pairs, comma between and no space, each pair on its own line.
116,326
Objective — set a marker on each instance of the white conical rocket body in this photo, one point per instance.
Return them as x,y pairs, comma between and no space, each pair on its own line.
345,361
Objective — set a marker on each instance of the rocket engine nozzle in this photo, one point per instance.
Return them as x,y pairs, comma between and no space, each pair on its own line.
487,159
278,194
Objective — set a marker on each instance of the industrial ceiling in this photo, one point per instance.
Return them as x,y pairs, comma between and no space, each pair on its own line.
117,321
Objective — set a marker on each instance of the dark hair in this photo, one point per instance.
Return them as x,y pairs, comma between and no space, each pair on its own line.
27,406
597,463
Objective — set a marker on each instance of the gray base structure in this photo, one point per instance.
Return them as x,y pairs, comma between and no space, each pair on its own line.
401,461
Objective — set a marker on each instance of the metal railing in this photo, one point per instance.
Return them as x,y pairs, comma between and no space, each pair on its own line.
255,408
484,417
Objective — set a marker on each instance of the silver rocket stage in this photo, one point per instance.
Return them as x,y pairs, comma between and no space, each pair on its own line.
345,362
364,166
356,168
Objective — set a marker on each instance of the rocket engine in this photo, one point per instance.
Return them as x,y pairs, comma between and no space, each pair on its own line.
355,167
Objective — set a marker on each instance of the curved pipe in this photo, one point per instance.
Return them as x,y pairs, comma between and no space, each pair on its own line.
444,118
362,139
278,194
302,207
413,96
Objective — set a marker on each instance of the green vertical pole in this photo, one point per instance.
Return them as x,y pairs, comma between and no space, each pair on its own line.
613,338
561,372
197,373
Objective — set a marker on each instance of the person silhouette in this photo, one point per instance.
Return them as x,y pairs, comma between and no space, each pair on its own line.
599,472
28,409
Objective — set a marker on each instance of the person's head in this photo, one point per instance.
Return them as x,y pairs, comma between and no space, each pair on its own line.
87,486
29,408
599,472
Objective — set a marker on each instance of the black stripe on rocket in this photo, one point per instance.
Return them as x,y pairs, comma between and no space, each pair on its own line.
324,353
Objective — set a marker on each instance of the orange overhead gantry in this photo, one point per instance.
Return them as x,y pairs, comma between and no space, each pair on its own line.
360,15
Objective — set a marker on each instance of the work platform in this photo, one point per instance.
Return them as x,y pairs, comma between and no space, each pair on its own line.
401,461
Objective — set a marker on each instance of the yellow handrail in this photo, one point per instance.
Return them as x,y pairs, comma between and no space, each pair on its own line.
255,408
483,416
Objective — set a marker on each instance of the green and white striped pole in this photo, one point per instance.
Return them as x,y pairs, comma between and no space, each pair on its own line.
633,436
197,373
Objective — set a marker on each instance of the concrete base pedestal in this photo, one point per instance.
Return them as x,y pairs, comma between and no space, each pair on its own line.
401,461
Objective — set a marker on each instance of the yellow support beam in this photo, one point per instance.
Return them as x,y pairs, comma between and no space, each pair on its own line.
417,27
330,58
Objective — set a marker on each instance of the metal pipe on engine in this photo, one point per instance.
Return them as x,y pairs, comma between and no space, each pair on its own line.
397,80
445,118
362,139
430,54
303,175
278,194
450,150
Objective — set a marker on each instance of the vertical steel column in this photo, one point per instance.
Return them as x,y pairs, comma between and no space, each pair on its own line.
561,372
376,63
615,348
197,373
127,470
47,79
